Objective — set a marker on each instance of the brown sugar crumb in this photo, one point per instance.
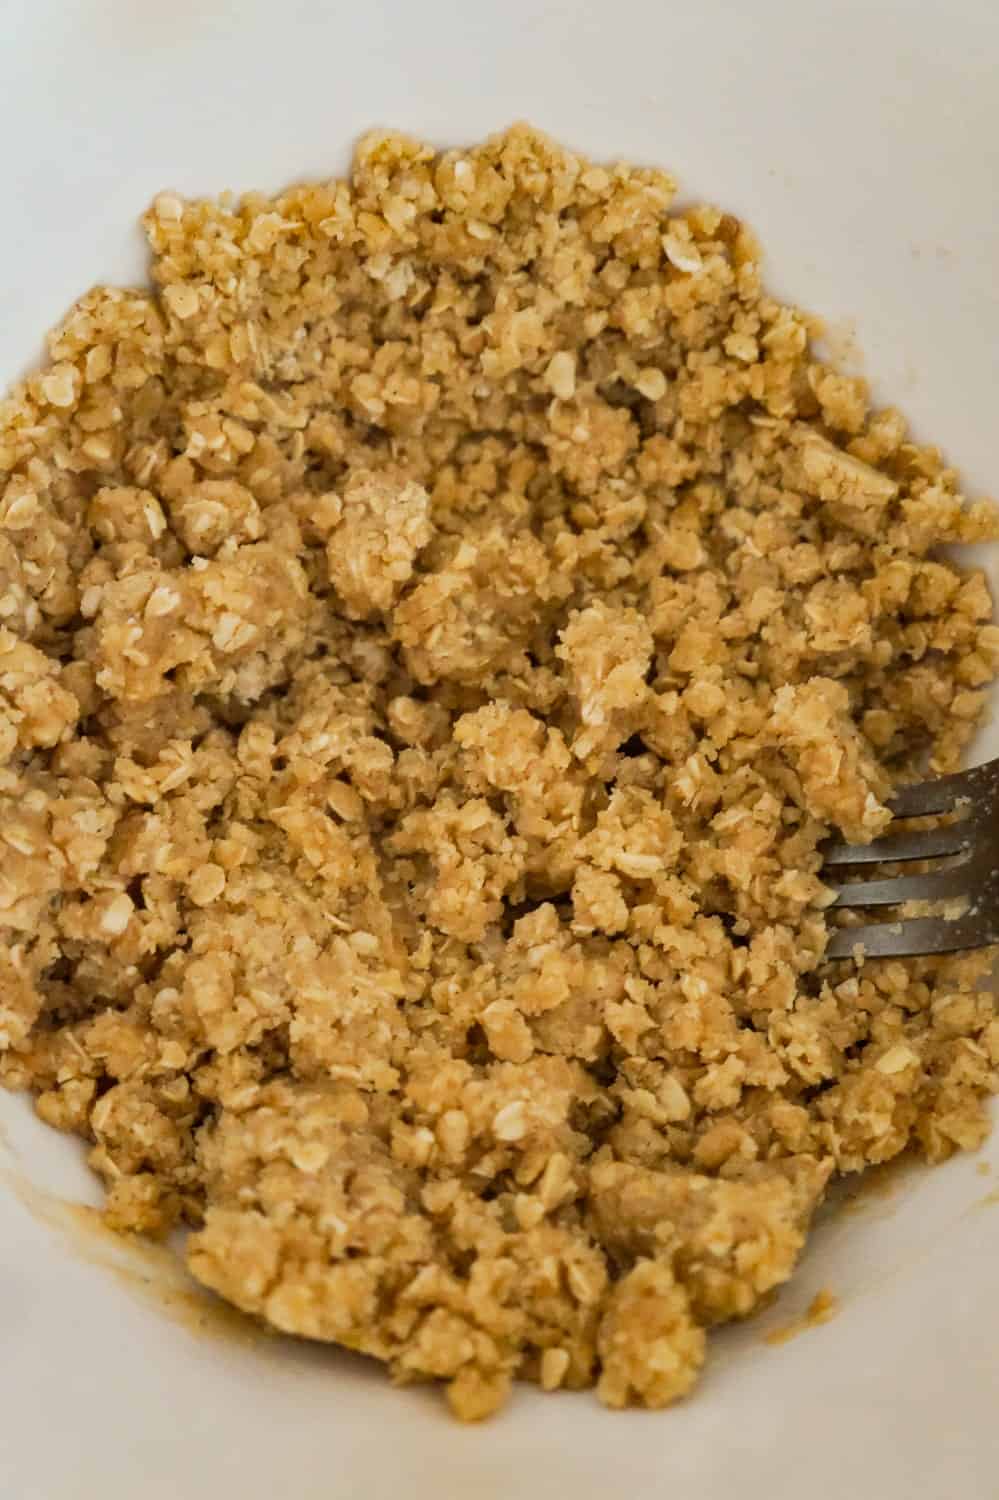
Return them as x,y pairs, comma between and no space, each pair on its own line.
438,626
370,552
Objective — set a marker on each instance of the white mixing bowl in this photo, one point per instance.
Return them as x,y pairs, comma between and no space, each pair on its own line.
861,138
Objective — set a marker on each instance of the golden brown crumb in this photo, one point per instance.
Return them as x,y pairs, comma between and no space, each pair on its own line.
437,628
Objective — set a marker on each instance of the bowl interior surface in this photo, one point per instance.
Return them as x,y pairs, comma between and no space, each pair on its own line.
862,142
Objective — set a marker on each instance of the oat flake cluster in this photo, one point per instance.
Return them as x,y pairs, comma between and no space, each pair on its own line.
438,626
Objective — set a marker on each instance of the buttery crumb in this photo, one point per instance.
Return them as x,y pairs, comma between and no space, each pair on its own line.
439,625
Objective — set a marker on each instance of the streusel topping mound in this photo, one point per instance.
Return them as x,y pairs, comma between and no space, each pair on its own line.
437,627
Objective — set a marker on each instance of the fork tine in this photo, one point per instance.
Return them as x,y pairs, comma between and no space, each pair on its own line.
939,885
975,877
926,797
941,794
914,937
897,848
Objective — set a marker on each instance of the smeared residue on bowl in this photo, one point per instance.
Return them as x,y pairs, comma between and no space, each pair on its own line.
153,1273
823,1307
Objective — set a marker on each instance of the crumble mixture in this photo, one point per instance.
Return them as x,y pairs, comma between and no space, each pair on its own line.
437,627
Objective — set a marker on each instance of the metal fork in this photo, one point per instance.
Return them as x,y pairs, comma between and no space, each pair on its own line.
969,880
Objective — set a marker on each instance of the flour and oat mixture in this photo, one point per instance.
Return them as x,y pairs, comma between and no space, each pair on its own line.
438,626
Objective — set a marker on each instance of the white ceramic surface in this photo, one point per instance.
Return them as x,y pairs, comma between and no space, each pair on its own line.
862,139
